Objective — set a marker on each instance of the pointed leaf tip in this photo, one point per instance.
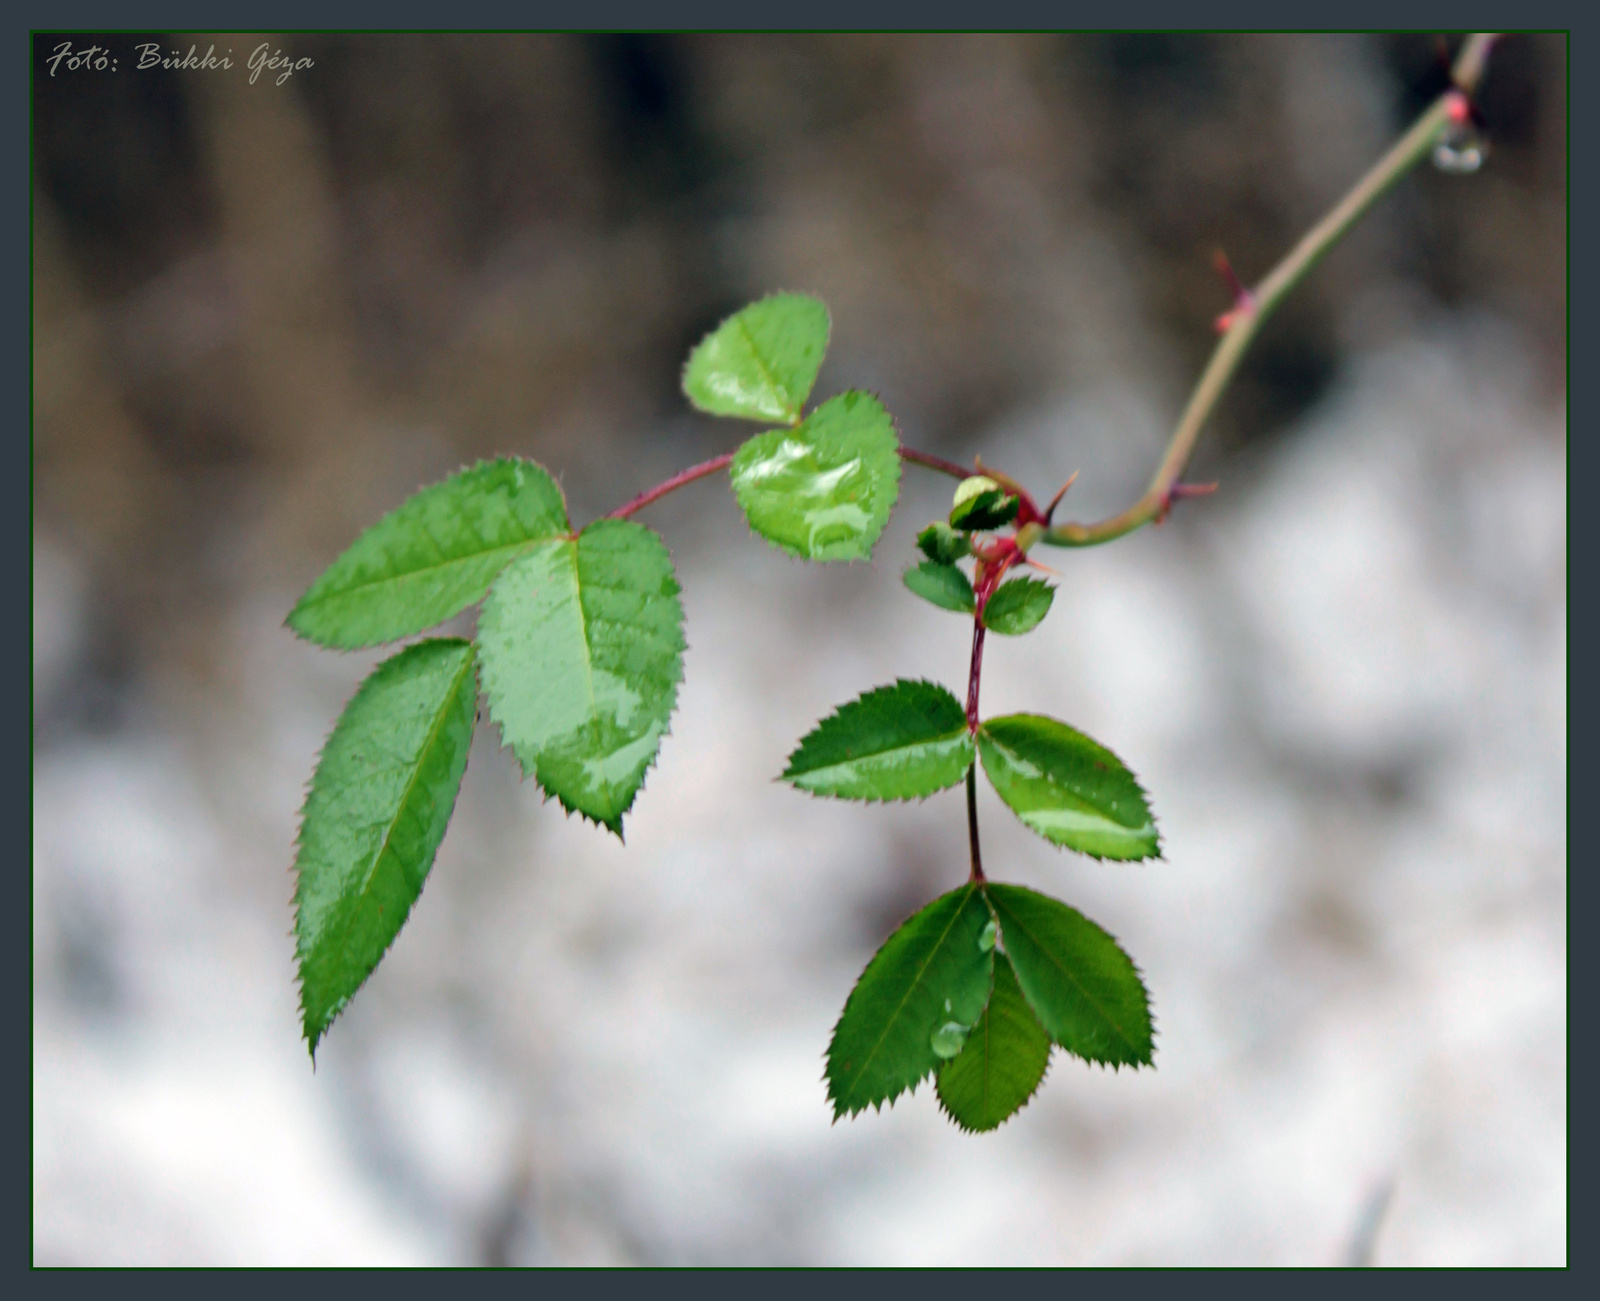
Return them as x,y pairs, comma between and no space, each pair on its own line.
1084,989
1003,1062
900,742
431,557
581,648
931,972
1070,789
384,789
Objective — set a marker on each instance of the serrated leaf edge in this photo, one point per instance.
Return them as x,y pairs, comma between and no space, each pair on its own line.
1155,822
1138,975
516,551
787,777
842,1112
477,713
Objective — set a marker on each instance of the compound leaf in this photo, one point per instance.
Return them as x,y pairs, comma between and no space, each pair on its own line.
1018,606
928,983
900,742
824,490
1084,989
581,644
999,1069
382,795
942,585
433,556
1068,788
761,362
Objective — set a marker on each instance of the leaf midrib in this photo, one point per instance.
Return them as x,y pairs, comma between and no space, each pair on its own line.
772,381
356,589
411,783
912,987
1011,753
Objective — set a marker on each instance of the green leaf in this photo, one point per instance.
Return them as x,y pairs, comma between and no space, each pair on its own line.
433,556
1084,989
981,504
893,743
1018,606
824,490
761,362
581,644
941,543
943,585
1071,790
929,980
1005,1057
382,795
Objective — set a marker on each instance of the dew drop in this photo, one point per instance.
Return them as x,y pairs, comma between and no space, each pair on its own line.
949,1039
986,940
1460,152
947,1005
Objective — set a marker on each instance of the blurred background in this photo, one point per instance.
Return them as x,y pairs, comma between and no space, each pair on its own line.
264,314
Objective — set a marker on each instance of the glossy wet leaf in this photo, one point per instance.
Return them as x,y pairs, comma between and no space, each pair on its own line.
941,543
929,974
893,743
433,556
943,585
1002,1063
822,491
379,802
761,362
981,504
581,644
1018,606
1084,989
1070,789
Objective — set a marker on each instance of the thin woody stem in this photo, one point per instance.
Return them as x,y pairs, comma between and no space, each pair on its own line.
677,481
974,674
722,462
935,463
1254,307
972,822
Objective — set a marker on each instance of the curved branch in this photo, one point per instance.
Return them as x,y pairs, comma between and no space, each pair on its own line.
1256,305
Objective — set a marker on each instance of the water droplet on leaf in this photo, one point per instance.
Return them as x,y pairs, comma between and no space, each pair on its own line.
987,939
949,1039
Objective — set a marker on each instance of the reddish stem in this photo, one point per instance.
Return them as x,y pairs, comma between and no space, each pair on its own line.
972,823
935,463
975,673
721,462
677,481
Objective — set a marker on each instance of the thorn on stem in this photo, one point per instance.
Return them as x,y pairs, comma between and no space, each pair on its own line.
1243,300
1178,492
1061,492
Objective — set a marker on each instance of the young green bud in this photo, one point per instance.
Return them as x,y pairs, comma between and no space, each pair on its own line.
942,543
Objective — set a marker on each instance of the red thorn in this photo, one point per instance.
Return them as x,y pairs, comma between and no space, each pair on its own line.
1061,492
1229,276
1178,492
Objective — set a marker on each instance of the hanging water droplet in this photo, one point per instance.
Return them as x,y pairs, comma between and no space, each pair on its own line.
1461,151
949,1039
987,939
